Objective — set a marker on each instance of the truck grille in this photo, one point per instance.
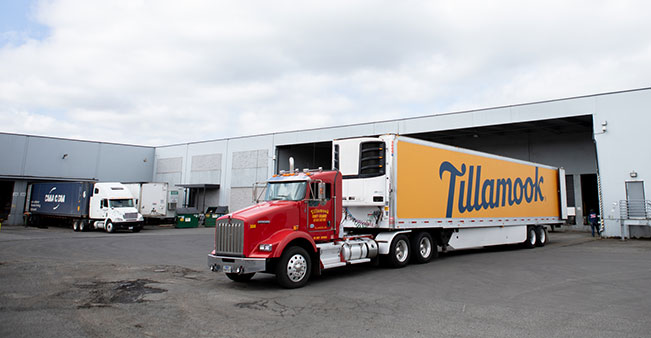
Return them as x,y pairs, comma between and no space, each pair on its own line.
229,237
131,215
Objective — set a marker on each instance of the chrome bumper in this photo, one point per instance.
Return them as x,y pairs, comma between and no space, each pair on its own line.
236,264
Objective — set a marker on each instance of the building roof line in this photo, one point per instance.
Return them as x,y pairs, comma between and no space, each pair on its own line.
409,118
397,120
78,140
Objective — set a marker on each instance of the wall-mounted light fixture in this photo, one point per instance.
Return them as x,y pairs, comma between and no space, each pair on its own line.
64,156
633,174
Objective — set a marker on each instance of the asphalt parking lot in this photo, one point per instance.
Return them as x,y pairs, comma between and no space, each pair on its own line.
55,282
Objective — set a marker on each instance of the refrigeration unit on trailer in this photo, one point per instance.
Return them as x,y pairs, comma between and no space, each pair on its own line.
84,205
392,198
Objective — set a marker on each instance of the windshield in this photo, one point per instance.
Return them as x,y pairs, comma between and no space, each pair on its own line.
121,203
285,191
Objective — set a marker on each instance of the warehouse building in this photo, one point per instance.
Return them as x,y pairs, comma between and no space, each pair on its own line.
601,141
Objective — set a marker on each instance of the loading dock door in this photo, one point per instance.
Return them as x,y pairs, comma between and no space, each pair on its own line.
6,194
589,195
306,156
195,195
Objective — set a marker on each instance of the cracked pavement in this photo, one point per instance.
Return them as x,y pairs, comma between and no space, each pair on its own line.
55,282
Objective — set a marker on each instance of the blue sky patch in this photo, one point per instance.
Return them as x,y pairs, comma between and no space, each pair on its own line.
18,23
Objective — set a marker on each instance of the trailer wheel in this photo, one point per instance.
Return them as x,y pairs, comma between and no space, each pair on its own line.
109,226
399,252
541,236
424,247
531,238
75,225
82,226
294,268
240,278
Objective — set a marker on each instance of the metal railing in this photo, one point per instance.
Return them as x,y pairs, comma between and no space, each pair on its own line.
635,209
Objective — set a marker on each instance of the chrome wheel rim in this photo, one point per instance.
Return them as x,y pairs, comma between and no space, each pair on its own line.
425,247
402,250
296,268
532,236
543,236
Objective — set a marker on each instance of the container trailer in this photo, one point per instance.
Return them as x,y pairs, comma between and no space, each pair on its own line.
84,205
151,200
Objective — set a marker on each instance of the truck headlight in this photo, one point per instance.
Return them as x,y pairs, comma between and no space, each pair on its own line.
265,247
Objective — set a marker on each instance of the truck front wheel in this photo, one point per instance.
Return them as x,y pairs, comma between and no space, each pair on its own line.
294,268
110,227
399,252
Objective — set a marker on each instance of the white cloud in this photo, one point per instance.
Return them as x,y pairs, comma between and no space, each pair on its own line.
160,72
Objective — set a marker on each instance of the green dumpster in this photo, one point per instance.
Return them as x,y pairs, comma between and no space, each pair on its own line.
187,218
212,214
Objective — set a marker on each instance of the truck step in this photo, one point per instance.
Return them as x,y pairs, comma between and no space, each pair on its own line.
333,265
358,261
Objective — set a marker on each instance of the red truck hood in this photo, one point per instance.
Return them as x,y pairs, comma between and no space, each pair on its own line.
264,211
262,220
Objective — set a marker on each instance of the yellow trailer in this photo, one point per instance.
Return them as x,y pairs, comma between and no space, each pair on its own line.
462,198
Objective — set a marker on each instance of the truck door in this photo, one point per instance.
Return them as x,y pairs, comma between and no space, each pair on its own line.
320,213
104,207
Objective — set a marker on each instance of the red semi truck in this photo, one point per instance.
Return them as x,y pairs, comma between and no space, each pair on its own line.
392,198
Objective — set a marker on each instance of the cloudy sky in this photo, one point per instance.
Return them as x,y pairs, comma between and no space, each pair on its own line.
157,72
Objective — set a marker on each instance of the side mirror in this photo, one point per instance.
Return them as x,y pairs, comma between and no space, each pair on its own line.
258,190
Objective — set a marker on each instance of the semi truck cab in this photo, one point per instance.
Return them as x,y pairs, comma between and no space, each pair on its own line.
280,235
112,207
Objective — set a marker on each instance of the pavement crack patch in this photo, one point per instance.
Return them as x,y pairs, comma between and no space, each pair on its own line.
104,294
257,305
273,306
577,243
179,272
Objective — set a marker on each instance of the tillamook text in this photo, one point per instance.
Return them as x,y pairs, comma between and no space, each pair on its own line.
475,194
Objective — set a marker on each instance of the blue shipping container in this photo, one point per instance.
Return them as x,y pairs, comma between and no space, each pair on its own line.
60,198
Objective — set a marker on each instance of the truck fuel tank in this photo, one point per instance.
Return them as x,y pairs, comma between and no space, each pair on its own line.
354,249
